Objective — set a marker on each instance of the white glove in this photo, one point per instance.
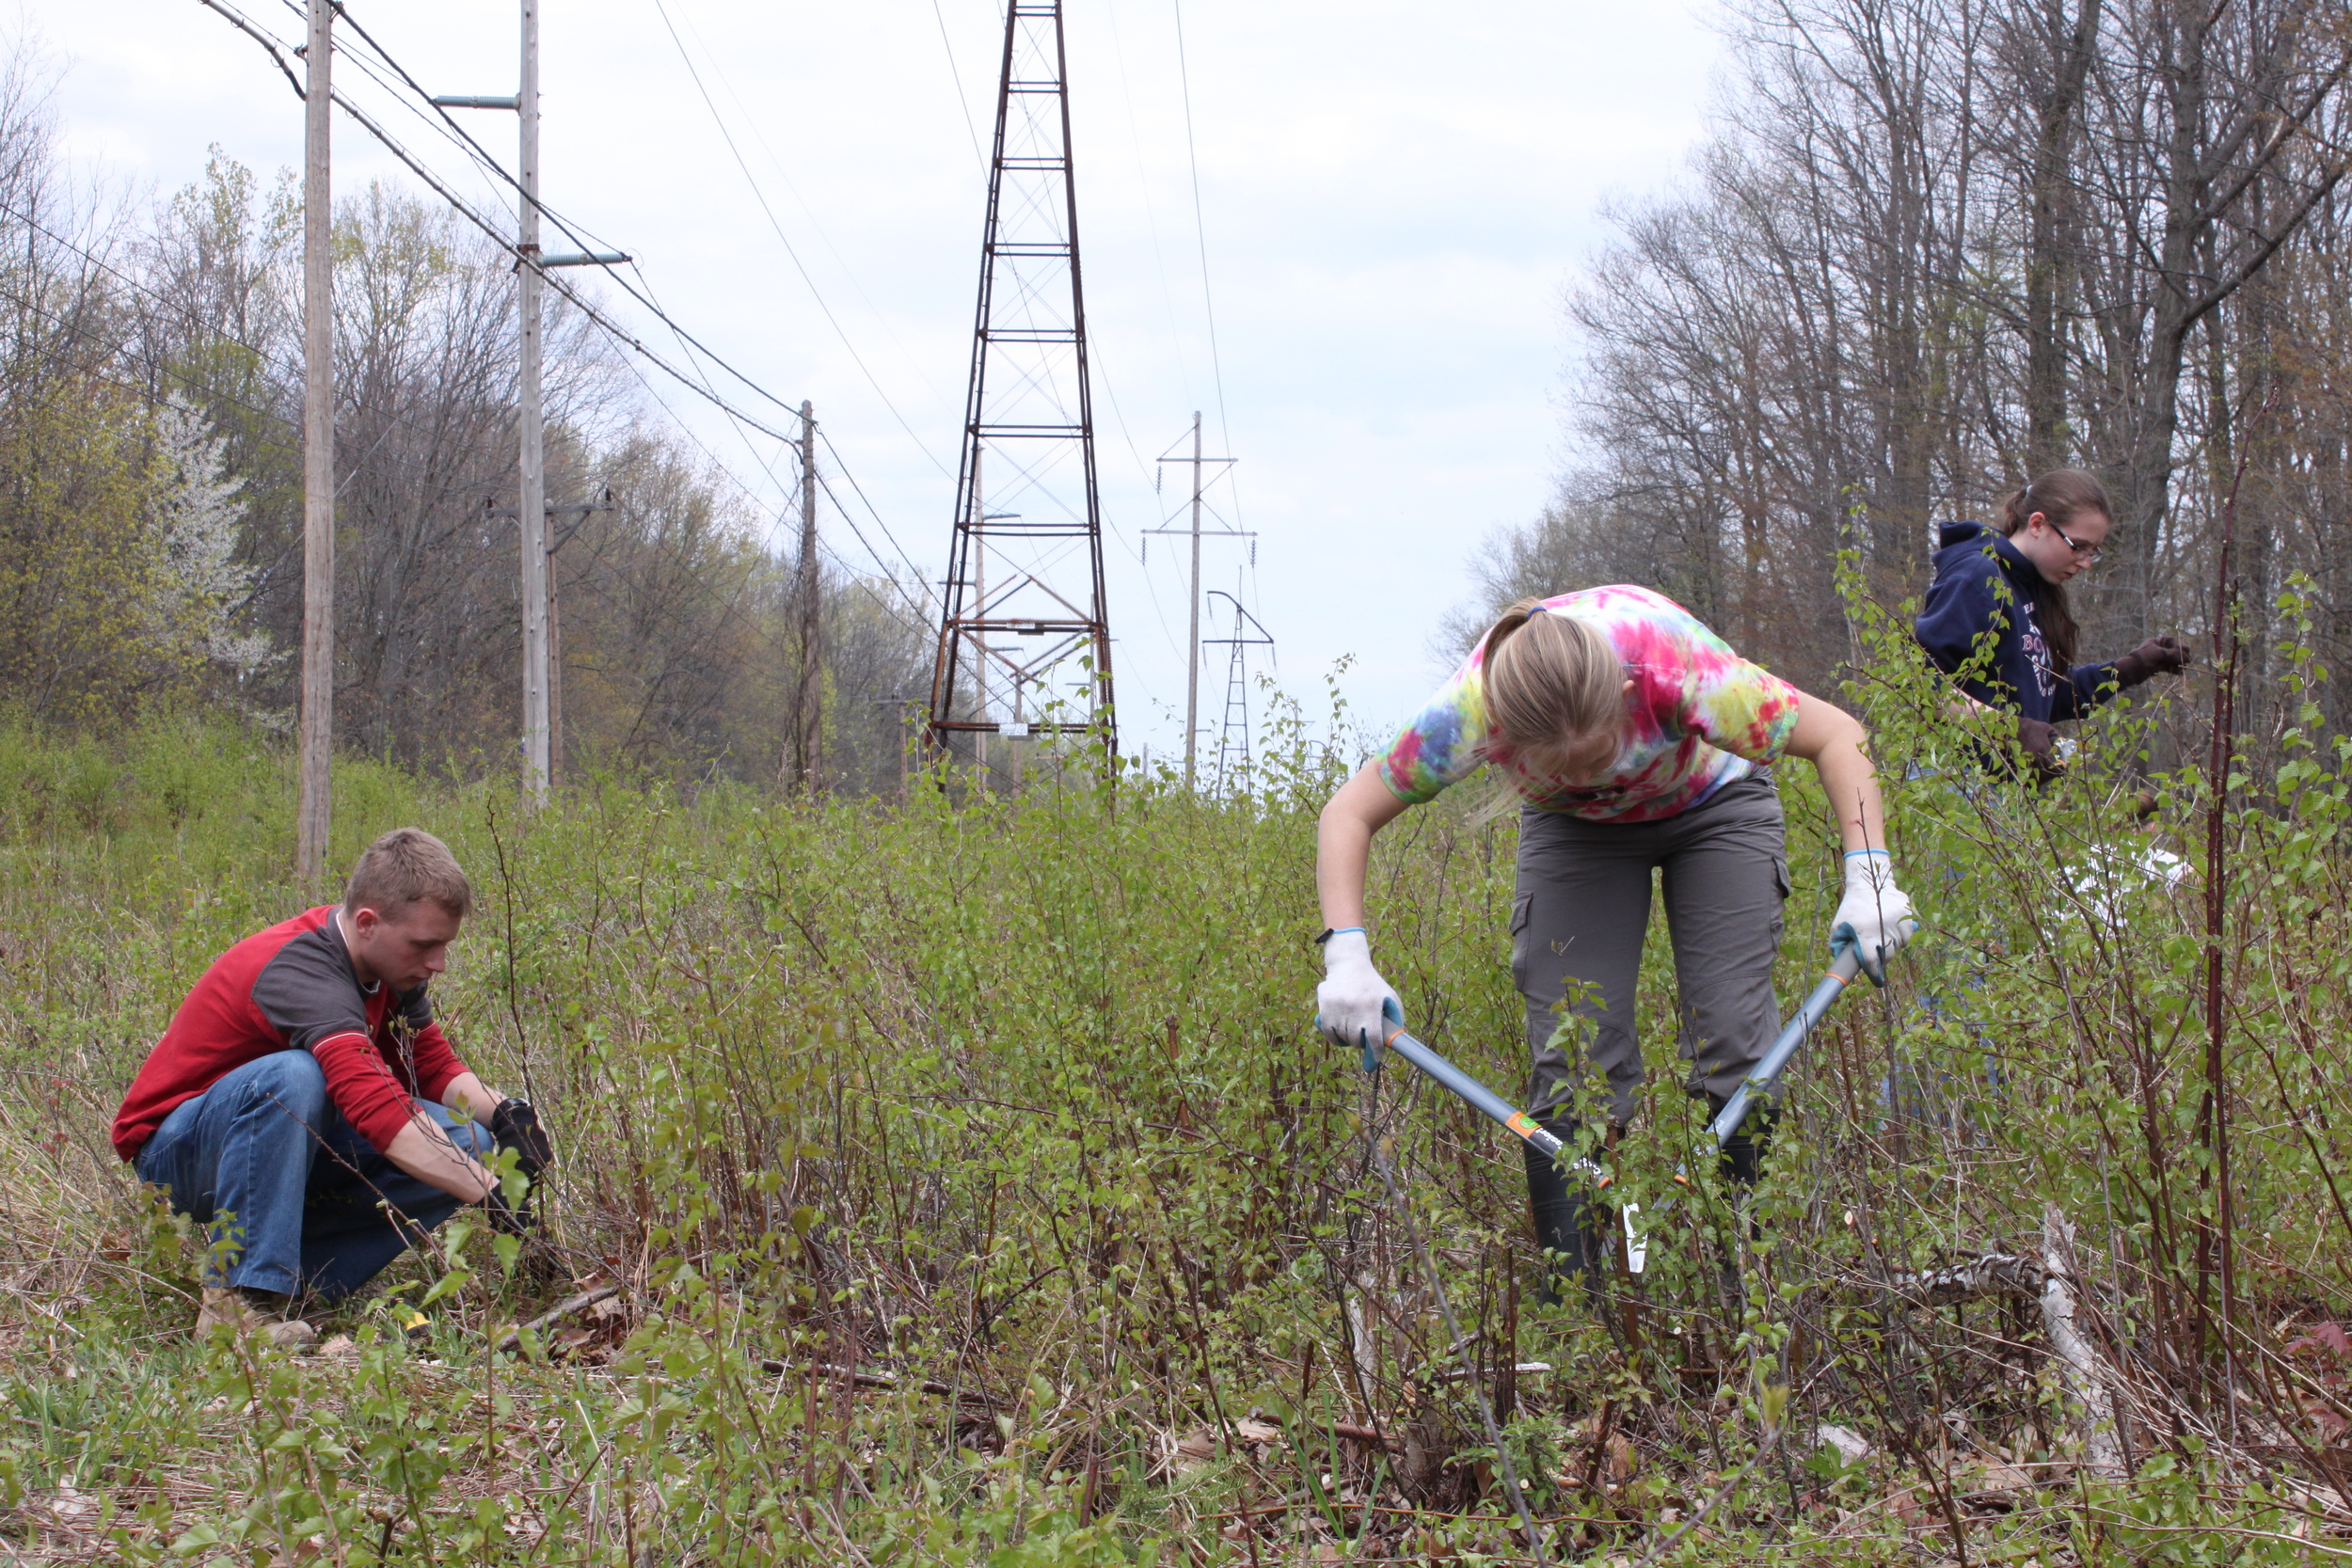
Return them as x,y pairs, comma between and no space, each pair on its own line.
1874,917
1352,999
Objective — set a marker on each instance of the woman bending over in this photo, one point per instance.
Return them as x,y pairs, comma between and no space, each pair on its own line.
1638,741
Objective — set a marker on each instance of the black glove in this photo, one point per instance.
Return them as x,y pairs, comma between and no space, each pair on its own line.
515,1126
2039,742
2158,655
508,1219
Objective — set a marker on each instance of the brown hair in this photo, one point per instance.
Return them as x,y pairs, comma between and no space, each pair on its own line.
1551,680
403,866
2058,494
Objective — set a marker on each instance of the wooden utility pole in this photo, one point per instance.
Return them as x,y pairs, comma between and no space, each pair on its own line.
542,734
532,505
811,717
314,814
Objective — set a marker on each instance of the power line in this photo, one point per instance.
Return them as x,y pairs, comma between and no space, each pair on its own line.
466,210
720,463
761,196
1201,234
963,101
586,240
1199,225
871,509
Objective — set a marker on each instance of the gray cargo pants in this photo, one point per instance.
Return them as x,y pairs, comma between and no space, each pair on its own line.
1581,910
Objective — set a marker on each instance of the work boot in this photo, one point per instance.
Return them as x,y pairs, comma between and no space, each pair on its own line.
253,1312
1564,1225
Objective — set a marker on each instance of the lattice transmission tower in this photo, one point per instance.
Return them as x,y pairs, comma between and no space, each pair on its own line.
1233,741
1025,600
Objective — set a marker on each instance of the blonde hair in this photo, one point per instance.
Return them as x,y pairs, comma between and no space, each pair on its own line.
1554,682
403,866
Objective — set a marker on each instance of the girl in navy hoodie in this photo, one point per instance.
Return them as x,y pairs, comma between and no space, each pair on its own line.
2012,582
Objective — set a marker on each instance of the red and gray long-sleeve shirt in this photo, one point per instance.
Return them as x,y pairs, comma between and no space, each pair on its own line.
292,987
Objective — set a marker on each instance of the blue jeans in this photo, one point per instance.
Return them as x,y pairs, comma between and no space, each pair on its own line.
291,1195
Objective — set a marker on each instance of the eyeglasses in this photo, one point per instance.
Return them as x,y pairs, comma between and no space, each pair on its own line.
2088,552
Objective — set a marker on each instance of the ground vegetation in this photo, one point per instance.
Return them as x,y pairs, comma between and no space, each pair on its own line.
961,1179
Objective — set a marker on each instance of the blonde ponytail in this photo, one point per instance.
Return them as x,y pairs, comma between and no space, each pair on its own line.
1553,683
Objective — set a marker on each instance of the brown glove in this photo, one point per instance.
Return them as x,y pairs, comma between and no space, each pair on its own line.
2040,743
2158,655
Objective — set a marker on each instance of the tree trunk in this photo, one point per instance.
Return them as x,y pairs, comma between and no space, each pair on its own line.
2069,51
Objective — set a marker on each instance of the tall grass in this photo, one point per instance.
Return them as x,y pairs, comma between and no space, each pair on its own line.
976,1189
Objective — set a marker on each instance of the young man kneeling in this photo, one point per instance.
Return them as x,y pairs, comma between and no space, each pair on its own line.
304,1107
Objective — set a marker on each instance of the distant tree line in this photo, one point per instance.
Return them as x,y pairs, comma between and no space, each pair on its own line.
151,498
1934,247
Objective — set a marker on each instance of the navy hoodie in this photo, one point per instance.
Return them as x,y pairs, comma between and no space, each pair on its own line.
1972,563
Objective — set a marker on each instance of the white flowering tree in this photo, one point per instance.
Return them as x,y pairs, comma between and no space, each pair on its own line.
201,587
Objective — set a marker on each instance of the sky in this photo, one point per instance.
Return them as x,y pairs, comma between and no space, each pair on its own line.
1350,255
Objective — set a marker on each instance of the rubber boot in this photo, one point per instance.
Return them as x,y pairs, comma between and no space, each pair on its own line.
1744,1156
1563,1225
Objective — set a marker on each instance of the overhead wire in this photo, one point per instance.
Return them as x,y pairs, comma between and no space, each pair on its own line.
844,468
1199,224
761,196
1208,298
700,386
963,100
769,470
856,576
578,235
716,62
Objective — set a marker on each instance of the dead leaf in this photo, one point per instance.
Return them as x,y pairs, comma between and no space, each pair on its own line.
340,1347
1851,1445
1256,1431
2005,1477
1621,1458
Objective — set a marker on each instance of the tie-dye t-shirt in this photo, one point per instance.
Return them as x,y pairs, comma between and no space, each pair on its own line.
1698,716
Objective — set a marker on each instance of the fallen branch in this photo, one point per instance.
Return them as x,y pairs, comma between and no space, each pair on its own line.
883,1379
564,1309
1525,1368
2049,1281
2004,1273
1364,1435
